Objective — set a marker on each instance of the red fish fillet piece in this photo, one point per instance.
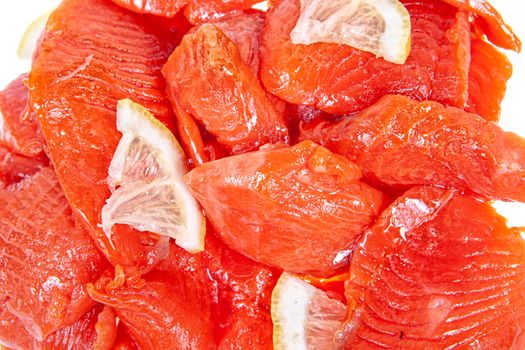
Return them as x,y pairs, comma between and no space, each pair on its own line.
490,22
241,292
207,65
438,270
106,329
239,289
166,8
124,340
45,258
401,142
190,135
15,167
158,318
13,335
340,79
298,208
167,309
244,29
76,81
19,128
199,11
80,335
489,72
222,298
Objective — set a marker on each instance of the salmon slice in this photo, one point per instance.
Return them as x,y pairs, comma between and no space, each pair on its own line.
215,299
19,128
199,11
207,67
489,72
124,340
438,270
168,309
15,167
241,292
45,257
80,335
160,315
84,334
165,8
244,29
297,208
400,143
339,79
490,22
106,329
94,54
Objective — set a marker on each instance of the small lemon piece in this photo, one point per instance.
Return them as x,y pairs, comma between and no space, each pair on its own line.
304,317
146,179
381,27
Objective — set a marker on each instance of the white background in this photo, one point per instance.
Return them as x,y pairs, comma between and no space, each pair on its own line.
15,15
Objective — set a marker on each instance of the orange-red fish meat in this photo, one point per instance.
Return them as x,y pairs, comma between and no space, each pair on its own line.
438,270
400,143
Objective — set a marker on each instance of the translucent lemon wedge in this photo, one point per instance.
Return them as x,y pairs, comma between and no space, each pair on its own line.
146,179
29,41
304,317
381,27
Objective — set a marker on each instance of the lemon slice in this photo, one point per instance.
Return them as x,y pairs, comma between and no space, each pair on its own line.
381,27
146,180
29,41
304,317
